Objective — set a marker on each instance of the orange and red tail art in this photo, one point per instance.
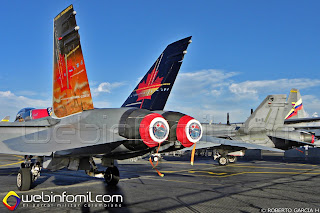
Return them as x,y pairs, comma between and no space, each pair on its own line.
71,90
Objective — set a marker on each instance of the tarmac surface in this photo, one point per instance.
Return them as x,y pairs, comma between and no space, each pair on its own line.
246,186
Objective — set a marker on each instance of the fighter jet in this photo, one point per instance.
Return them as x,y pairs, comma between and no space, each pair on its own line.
264,127
76,131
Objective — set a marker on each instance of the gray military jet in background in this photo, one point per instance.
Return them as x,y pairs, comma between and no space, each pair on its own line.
265,127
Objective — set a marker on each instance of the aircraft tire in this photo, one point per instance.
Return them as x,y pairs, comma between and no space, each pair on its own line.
112,176
232,159
223,161
24,179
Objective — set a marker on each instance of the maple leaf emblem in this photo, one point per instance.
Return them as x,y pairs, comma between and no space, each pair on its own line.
151,85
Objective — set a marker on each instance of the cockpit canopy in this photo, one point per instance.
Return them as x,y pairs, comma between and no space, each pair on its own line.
27,114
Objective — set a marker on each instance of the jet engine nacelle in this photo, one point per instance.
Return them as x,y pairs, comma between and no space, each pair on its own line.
142,124
295,136
307,137
183,128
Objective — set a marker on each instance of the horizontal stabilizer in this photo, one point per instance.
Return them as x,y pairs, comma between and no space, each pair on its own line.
302,120
314,129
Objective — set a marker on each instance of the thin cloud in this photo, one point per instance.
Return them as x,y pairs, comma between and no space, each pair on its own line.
255,87
106,87
205,82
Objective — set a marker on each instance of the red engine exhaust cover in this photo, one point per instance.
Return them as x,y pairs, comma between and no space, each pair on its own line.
189,131
153,129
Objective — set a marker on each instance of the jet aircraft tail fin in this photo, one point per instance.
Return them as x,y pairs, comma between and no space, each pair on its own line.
153,90
71,91
294,109
268,116
5,119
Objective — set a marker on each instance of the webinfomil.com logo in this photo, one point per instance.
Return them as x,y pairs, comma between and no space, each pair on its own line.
5,200
63,200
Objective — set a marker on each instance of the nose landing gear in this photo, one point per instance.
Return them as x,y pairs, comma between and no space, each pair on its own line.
28,173
111,175
24,179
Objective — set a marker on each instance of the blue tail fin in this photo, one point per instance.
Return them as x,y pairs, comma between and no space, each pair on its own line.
153,90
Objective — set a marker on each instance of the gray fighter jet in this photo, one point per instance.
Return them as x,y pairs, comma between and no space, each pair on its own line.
76,131
264,127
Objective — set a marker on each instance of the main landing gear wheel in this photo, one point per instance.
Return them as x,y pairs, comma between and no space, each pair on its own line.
112,176
223,161
24,179
232,159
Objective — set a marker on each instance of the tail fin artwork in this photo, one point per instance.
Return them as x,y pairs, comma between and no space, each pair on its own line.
5,119
71,91
153,90
268,116
294,109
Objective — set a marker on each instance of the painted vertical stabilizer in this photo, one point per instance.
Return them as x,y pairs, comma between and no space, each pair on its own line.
71,91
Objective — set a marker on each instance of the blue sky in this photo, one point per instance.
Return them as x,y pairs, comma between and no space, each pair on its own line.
241,52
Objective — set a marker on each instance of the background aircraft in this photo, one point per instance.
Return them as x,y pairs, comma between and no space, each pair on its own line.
264,127
5,119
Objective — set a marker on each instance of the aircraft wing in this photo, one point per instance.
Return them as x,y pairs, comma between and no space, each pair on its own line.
4,149
48,136
209,141
73,148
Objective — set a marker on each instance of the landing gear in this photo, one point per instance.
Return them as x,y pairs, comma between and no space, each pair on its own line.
232,159
28,173
223,161
221,157
112,176
24,179
156,157
224,156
